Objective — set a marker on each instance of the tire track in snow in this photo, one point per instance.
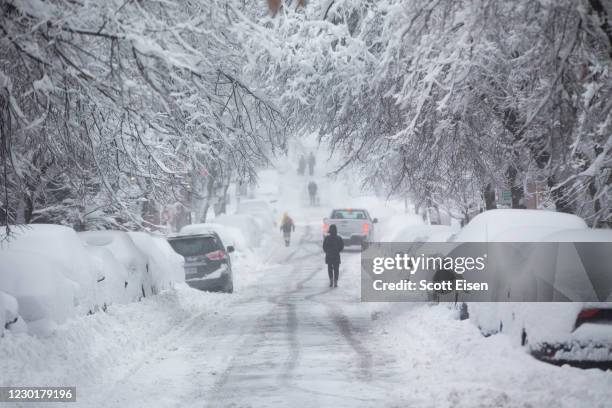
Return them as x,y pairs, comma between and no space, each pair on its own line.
266,324
345,327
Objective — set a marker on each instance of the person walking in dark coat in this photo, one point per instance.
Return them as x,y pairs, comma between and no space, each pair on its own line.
333,245
311,163
312,192
287,227
301,165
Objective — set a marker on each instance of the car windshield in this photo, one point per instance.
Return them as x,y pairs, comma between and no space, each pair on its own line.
193,246
349,214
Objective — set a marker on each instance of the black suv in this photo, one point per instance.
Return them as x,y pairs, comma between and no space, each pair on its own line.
207,263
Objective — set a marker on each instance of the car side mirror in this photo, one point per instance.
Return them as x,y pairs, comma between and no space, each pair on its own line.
230,249
375,220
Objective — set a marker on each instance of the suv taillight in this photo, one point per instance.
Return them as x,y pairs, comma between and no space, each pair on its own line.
365,227
593,314
216,255
325,228
588,313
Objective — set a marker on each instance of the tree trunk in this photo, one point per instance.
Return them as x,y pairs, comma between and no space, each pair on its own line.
489,197
516,189
210,190
599,8
560,198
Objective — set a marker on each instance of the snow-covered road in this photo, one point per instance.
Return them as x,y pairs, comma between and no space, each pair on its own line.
285,339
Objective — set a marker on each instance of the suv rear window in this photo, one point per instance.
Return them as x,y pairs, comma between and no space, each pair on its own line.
194,246
349,214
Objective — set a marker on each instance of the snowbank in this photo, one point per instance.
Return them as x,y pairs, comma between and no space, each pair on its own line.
89,351
261,211
538,324
8,311
247,224
450,364
122,247
112,277
49,273
61,246
45,297
391,228
228,234
165,268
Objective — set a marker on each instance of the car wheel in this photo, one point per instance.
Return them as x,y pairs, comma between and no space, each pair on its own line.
364,245
229,288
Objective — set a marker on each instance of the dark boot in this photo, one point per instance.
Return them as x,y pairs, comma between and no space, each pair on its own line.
331,283
335,284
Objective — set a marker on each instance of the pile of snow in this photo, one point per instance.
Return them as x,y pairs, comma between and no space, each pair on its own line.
247,224
9,315
49,273
229,235
539,323
164,265
268,183
61,246
112,276
119,243
44,296
261,210
392,228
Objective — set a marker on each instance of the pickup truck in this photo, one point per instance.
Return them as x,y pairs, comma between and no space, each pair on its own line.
355,226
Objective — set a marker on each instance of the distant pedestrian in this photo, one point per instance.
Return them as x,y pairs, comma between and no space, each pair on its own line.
287,227
312,192
311,163
301,165
333,245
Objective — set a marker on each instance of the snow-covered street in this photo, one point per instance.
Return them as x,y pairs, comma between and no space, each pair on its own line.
285,337
306,203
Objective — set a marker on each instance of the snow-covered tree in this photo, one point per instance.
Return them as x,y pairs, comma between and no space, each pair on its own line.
442,98
110,109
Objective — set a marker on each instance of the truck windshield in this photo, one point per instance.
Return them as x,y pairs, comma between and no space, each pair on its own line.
349,214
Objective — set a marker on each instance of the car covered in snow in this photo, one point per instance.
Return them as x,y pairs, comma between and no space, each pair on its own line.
492,225
207,263
37,293
112,276
139,282
61,246
165,265
355,226
564,331
551,323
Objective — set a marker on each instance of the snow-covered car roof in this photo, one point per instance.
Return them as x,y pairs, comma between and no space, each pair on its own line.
492,224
